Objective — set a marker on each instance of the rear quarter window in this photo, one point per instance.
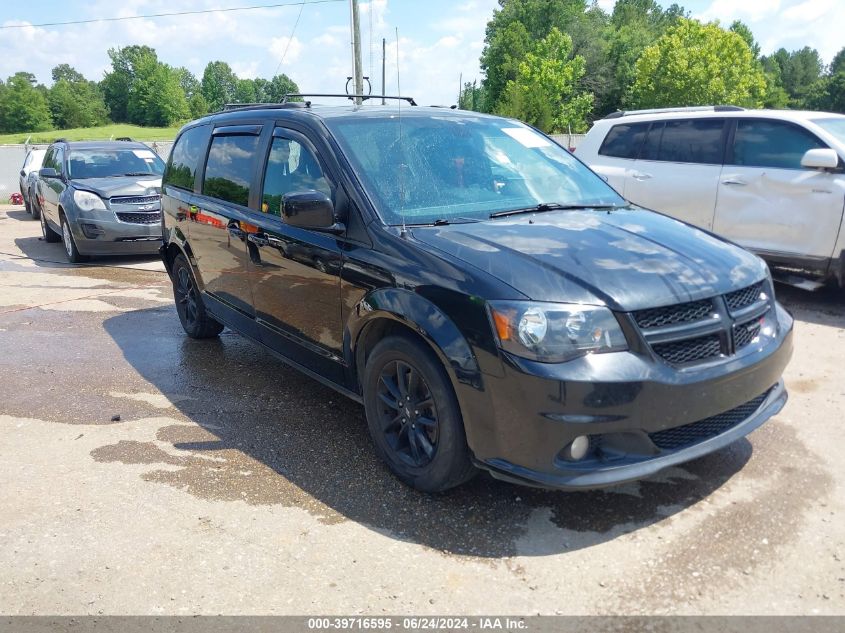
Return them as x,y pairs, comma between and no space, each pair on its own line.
624,140
185,158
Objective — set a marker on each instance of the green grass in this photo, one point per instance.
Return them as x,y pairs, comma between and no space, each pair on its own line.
102,133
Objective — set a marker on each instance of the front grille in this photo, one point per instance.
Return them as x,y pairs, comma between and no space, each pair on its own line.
745,333
670,315
689,350
688,434
698,331
140,218
135,199
743,298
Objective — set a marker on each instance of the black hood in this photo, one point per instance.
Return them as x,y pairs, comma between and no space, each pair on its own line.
121,185
628,259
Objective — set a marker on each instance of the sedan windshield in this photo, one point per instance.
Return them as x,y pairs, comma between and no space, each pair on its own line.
835,126
428,169
105,163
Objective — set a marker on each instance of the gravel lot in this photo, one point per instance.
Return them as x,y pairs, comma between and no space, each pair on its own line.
231,484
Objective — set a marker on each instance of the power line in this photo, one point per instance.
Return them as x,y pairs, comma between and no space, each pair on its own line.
175,13
290,39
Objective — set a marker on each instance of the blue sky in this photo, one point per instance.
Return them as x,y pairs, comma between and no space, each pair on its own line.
438,39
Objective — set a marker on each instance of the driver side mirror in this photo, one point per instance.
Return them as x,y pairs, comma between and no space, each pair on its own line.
820,159
310,210
48,172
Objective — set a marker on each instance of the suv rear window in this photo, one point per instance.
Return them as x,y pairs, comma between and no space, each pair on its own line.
624,140
185,158
231,165
692,141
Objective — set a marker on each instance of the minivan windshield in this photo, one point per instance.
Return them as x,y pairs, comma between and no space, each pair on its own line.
430,169
105,163
835,126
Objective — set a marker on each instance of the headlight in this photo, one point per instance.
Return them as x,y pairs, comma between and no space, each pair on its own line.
555,332
88,201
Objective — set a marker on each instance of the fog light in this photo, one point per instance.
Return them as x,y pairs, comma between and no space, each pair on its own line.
91,230
577,449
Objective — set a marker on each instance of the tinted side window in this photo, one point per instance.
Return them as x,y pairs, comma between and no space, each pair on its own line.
624,140
651,145
772,144
59,159
48,158
291,166
231,164
185,158
692,141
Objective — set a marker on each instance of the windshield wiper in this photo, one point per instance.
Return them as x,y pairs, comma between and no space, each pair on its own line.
138,173
444,221
553,206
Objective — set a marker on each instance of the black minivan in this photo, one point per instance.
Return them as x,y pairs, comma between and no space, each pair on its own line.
491,301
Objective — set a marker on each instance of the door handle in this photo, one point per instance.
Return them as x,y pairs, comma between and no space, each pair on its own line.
639,175
734,181
258,239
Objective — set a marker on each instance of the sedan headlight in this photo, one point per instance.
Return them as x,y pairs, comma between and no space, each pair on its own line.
88,201
555,332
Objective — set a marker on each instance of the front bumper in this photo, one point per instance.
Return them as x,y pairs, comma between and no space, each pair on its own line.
101,233
624,404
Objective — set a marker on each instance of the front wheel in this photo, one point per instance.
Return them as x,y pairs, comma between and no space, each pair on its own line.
413,416
192,314
72,252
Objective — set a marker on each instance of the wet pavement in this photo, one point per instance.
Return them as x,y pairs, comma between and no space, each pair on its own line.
233,484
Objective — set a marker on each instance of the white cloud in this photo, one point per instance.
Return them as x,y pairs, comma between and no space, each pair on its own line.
727,11
285,50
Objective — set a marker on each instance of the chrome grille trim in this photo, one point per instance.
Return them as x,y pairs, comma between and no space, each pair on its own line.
135,200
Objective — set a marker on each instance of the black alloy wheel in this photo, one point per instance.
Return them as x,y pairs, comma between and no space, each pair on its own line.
408,414
192,314
413,415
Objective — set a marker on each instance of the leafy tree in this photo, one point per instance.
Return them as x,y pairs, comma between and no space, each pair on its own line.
838,62
218,85
744,31
245,91
518,24
798,70
279,86
471,97
635,25
156,96
189,84
23,106
695,64
546,91
74,101
118,83
198,105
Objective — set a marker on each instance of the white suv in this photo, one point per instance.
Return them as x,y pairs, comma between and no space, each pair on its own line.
771,180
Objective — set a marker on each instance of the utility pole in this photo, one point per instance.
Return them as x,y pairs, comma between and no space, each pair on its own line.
383,64
356,52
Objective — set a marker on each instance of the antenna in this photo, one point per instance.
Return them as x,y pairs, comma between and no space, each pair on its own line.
401,171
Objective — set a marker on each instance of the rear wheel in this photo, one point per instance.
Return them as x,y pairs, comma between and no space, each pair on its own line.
47,233
413,416
192,314
72,252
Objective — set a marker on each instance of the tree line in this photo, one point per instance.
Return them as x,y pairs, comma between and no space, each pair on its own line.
138,89
560,64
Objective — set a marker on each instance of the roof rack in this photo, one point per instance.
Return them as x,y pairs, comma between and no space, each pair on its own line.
228,107
349,96
717,108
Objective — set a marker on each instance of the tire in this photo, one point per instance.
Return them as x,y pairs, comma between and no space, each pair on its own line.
47,233
72,252
34,209
404,380
26,205
196,322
